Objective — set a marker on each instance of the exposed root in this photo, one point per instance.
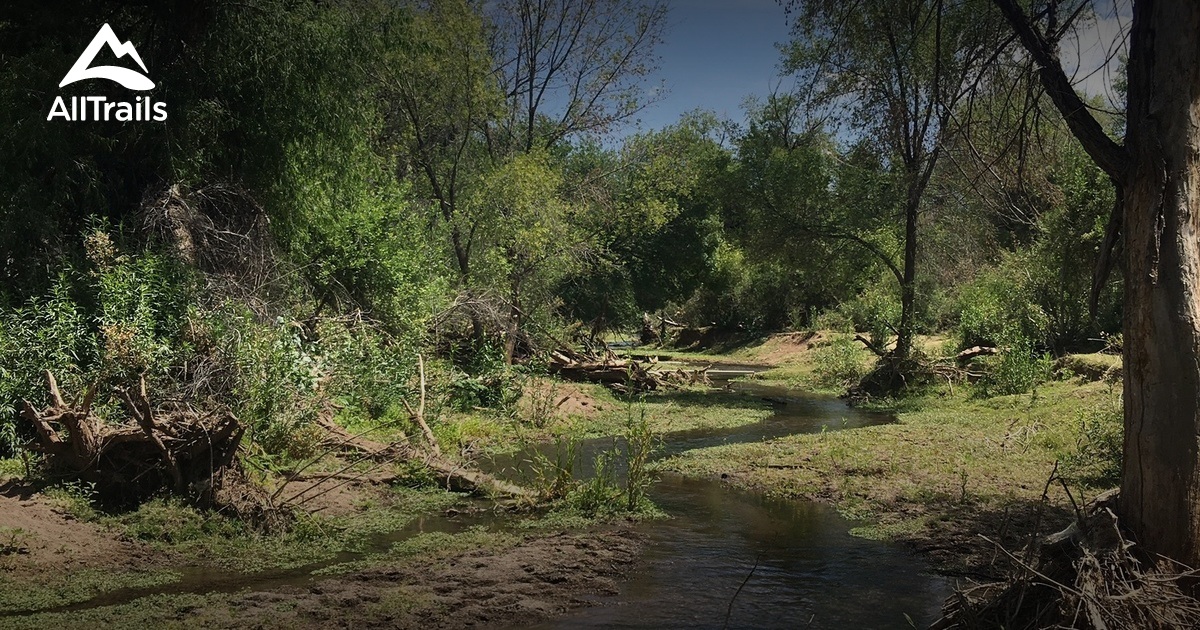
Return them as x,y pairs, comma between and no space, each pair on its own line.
179,450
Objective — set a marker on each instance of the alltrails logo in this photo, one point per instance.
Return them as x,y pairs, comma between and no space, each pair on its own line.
84,108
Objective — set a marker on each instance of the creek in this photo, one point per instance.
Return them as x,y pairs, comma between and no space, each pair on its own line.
723,557
733,558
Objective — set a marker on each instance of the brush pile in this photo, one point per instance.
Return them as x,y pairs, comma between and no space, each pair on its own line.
179,450
1088,576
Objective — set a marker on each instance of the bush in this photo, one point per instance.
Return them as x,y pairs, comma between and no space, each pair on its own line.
839,362
1016,370
876,310
1098,454
486,380
996,303
104,321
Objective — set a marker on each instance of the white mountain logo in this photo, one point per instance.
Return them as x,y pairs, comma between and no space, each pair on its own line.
131,79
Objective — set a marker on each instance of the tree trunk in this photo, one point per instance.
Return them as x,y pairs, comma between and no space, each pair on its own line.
514,324
1160,485
908,294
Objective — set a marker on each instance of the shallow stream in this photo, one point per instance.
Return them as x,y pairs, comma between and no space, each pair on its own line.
724,558
738,559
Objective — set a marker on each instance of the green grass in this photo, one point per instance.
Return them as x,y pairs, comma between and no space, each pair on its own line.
430,546
72,586
666,411
946,453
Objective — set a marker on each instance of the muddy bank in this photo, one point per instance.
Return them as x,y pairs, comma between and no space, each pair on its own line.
532,581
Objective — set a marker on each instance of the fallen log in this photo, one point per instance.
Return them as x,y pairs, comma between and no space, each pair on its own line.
615,373
975,351
683,378
458,477
180,450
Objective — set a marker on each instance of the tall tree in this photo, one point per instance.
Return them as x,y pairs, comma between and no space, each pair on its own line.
895,70
437,77
1158,179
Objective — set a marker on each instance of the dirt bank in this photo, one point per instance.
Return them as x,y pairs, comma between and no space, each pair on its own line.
81,573
38,536
532,581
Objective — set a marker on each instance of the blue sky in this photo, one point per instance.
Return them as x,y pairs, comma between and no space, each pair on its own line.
715,54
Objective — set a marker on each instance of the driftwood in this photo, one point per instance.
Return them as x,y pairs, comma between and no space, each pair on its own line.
975,351
1087,576
621,375
179,450
683,378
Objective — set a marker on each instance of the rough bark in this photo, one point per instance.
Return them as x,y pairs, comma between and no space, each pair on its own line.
1160,488
908,283
1157,173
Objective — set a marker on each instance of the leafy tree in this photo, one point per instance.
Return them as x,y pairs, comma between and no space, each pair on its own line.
897,70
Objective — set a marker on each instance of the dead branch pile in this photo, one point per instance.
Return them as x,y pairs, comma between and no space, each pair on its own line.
621,375
1087,576
223,232
680,377
179,450
457,477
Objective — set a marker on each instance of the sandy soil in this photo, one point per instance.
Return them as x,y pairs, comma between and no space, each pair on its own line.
40,537
558,400
788,347
535,580
542,576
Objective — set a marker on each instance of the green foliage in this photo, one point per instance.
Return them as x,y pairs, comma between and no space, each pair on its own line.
875,311
104,321
1096,459
485,380
640,443
1016,370
621,477
998,302
839,362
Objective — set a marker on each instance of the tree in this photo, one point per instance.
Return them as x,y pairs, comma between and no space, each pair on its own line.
838,208
529,232
1158,181
570,66
436,74
474,87
896,70
650,211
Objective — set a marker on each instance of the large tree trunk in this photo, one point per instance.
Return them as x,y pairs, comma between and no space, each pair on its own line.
1160,486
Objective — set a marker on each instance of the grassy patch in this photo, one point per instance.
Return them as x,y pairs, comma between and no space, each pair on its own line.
667,411
76,585
204,537
946,456
430,546
12,468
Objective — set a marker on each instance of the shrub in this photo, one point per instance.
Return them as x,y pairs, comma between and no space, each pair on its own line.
1098,454
840,362
1016,370
104,321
